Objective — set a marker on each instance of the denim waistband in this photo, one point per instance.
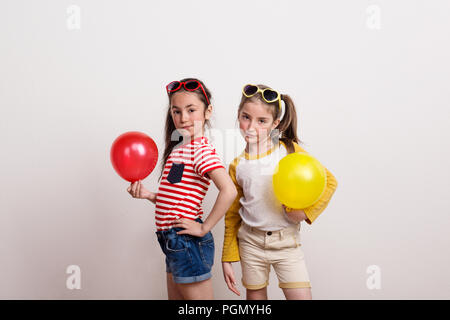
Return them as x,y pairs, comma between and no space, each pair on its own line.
172,231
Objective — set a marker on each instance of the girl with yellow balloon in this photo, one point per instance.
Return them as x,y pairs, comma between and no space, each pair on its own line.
279,185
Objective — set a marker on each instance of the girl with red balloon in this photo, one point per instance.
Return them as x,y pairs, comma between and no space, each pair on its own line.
190,163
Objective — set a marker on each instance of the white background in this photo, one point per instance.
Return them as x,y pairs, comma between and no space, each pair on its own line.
371,83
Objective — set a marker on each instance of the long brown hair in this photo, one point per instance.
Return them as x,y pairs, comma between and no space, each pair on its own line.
170,129
287,125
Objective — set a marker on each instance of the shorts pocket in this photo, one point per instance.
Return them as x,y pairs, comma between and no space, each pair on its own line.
206,246
291,241
178,256
176,244
239,231
297,239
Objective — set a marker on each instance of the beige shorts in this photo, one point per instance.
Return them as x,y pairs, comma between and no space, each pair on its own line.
281,249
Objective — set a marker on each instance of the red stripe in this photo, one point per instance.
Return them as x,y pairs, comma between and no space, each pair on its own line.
171,206
180,210
179,158
182,187
186,169
213,168
204,164
186,146
177,199
186,164
204,151
191,182
181,193
197,178
174,200
168,219
166,170
177,217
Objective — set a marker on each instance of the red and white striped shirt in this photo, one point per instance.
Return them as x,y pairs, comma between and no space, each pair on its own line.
184,182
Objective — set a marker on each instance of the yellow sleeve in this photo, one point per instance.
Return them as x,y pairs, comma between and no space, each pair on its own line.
230,251
316,209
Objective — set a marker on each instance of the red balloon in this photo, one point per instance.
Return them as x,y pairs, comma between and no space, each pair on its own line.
134,155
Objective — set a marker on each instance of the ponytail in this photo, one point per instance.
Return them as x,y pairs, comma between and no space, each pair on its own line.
288,125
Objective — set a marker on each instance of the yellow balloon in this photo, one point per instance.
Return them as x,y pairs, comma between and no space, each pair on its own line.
299,180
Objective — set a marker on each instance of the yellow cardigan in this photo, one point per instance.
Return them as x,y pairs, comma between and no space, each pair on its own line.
230,251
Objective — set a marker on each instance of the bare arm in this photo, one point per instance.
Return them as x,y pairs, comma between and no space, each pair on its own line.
226,196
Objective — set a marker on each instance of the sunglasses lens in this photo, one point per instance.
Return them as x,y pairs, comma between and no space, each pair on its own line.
250,90
191,85
175,85
270,95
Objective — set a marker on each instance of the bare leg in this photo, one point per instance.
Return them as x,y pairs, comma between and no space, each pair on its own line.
297,293
202,290
260,294
172,289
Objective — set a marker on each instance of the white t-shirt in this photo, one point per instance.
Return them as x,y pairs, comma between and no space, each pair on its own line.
259,206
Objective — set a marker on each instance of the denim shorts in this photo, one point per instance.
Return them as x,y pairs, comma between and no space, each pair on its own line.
188,258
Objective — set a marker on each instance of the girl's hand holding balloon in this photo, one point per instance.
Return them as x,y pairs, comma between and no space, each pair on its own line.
295,215
137,190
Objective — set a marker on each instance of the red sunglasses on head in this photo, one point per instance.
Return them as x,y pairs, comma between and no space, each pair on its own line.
190,85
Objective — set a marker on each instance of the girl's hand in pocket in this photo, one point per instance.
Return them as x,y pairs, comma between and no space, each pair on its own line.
137,190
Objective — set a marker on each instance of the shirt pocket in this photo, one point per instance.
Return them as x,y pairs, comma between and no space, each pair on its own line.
175,173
